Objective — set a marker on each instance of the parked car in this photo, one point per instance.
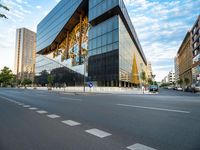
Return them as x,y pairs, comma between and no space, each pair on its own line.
169,87
179,89
188,89
153,88
197,89
175,88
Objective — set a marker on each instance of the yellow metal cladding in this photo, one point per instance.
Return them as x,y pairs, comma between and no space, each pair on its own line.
135,75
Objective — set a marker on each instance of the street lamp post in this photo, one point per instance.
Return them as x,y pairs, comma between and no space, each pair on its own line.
85,63
153,76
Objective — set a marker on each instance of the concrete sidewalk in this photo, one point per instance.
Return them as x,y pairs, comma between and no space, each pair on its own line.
94,90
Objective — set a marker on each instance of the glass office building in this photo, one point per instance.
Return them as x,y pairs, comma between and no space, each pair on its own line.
90,40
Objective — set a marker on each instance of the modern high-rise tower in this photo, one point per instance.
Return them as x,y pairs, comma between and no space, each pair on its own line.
25,49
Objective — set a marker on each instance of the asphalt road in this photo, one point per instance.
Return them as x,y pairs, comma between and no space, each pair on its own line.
42,120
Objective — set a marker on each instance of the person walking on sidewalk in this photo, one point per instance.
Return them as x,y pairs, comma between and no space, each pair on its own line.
143,89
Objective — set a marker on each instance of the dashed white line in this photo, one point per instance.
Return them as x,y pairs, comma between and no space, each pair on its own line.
26,106
138,146
71,99
8,99
53,116
98,133
42,112
155,108
33,108
71,123
40,95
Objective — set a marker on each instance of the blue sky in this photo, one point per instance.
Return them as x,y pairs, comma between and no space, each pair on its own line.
160,24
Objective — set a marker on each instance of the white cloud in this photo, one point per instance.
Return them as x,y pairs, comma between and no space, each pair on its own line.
38,7
57,1
19,1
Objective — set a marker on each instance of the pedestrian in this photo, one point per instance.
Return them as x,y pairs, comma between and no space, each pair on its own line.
143,88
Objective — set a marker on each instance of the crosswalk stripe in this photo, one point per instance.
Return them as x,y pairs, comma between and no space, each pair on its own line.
98,133
138,146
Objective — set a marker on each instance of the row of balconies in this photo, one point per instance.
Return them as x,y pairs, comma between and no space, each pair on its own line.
196,27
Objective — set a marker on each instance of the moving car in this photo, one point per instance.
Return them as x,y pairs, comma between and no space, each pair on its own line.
153,88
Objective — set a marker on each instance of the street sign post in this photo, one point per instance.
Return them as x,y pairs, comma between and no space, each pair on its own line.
90,84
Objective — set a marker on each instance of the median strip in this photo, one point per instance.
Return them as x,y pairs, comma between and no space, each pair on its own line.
155,108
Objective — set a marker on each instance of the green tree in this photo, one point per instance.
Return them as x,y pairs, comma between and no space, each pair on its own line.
18,82
180,82
42,78
6,76
13,81
187,81
50,79
143,76
150,81
5,8
26,82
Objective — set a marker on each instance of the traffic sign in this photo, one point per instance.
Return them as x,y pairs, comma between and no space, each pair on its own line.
90,84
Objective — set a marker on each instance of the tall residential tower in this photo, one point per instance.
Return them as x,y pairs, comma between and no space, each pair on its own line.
25,49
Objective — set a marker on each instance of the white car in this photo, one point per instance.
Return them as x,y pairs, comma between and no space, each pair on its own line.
197,89
179,89
169,87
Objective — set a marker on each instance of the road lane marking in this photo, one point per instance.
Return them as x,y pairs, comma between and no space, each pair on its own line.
42,112
8,99
155,108
26,106
71,99
138,146
20,104
40,95
71,123
98,133
53,116
33,108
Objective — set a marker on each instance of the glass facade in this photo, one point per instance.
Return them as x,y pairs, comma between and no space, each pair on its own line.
104,50
62,74
98,7
131,63
54,22
104,37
